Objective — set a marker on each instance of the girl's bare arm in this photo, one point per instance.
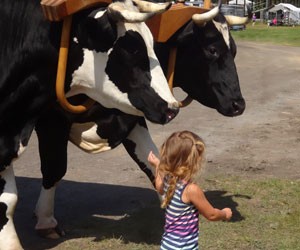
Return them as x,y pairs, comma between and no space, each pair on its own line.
154,161
159,185
195,195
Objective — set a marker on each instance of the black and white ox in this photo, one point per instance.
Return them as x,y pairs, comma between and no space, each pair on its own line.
204,69
111,60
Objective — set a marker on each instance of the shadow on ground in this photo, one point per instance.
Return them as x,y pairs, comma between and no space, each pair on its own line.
100,211
219,199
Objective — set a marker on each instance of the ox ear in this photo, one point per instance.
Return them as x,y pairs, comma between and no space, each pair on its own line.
184,35
97,33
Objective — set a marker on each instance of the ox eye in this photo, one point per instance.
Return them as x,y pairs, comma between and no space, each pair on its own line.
213,51
132,51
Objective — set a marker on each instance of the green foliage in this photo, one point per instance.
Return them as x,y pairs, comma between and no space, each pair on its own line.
283,35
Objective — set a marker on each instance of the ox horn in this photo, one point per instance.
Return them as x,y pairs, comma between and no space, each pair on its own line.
236,20
202,19
145,6
117,11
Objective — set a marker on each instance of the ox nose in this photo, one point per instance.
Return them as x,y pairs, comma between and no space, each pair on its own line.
238,107
171,113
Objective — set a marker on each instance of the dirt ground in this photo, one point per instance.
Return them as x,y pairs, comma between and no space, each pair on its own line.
101,190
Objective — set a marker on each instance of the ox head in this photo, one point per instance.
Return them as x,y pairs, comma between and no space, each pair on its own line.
117,66
205,66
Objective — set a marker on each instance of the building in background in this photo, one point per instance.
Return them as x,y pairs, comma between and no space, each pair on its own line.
285,13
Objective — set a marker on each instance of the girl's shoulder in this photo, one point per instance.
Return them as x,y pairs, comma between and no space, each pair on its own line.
191,190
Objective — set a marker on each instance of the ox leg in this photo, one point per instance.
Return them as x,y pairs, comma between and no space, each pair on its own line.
138,145
47,225
52,131
8,200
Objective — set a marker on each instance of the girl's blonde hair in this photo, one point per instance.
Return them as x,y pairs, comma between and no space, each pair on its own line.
181,157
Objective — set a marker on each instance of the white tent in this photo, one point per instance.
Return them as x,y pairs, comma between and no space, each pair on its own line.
290,11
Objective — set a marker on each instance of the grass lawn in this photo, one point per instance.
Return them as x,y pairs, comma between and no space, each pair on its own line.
266,216
276,35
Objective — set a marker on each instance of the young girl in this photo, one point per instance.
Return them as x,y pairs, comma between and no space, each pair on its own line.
181,156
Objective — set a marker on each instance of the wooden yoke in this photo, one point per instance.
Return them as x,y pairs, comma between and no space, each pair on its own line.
170,76
207,4
165,25
56,10
61,72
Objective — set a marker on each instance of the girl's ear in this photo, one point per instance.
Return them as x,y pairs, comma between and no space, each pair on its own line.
97,33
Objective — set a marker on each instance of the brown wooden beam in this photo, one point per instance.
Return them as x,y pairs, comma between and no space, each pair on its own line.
56,10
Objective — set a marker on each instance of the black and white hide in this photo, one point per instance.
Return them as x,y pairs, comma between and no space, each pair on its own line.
205,70
111,60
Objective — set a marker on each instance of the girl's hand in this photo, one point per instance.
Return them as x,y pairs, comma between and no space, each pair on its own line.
228,213
153,160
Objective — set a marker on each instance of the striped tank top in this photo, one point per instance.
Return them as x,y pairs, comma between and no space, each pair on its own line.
181,222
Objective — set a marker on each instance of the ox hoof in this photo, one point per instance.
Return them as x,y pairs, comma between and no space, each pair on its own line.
51,233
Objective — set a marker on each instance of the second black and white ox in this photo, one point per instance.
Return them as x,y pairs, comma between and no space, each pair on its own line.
111,60
204,69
